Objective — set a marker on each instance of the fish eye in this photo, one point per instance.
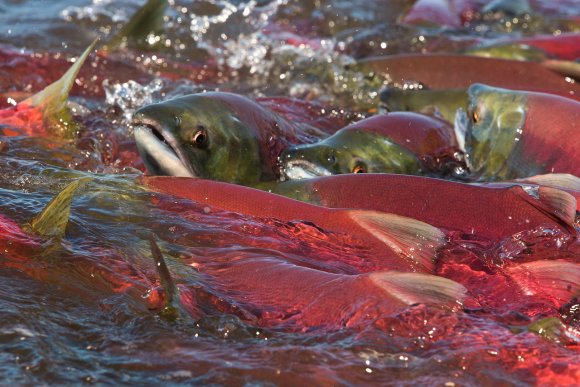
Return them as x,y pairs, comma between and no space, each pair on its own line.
359,168
200,137
331,159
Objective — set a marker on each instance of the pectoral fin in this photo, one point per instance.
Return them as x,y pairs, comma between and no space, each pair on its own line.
416,288
557,278
412,239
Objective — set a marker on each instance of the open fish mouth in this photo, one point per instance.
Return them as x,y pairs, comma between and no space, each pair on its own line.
302,169
160,151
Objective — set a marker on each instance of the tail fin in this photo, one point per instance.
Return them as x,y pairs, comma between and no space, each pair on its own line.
416,288
52,99
53,219
557,278
171,292
146,21
410,238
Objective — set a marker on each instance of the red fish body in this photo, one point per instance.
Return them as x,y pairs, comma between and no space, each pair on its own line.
455,71
391,242
493,213
281,294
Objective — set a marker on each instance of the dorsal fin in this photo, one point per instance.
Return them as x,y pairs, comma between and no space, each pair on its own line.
417,288
558,278
555,180
412,239
146,21
169,288
559,203
52,220
52,100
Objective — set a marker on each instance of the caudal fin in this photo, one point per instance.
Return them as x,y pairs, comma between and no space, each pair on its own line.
412,239
417,288
52,100
556,278
53,219
148,20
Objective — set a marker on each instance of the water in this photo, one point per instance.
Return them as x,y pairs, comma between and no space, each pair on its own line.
83,309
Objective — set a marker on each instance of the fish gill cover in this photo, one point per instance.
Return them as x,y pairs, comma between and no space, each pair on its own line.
464,271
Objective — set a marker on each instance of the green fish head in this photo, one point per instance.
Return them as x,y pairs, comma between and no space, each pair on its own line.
348,151
196,136
494,126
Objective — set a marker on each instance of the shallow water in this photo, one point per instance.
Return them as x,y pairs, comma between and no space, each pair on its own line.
82,309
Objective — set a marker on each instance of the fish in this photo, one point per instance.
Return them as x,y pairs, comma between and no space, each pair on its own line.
387,241
491,212
443,104
401,142
448,71
220,136
46,112
284,295
514,134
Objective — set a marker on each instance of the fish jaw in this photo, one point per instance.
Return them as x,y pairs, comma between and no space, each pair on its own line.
160,150
303,169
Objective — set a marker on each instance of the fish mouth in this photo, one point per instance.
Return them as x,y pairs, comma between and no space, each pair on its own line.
160,150
303,169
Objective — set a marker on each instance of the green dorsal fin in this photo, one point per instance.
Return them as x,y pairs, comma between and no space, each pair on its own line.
52,220
558,278
166,280
52,99
146,21
412,239
417,288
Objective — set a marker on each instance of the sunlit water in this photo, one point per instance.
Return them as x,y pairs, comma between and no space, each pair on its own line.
79,310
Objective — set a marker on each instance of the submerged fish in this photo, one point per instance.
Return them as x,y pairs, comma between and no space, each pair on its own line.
219,136
47,110
438,71
387,241
515,134
490,212
284,295
407,143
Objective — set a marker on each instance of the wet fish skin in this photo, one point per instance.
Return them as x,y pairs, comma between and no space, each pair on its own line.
392,242
216,135
401,142
296,298
516,134
495,212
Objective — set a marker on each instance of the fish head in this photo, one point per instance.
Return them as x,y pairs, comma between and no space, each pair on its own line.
495,123
196,136
348,151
